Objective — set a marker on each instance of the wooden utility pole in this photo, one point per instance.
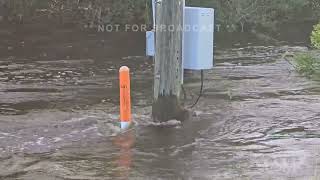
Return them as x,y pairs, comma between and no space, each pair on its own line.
168,60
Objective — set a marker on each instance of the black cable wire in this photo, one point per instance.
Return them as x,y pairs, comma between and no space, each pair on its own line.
201,90
184,92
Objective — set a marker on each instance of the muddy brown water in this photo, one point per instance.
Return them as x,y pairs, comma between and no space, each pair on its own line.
257,119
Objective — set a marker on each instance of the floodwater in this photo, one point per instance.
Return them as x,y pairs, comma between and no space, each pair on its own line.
257,119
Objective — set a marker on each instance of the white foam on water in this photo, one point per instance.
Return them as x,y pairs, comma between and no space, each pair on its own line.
108,129
89,129
40,141
57,139
78,119
181,149
9,135
168,123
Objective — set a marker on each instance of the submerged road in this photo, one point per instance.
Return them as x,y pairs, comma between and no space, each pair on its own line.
257,119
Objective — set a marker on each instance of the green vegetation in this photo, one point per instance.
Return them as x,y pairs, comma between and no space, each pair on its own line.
308,63
315,36
256,13
79,12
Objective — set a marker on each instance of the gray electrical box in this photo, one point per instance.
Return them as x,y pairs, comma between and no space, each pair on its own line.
150,40
198,39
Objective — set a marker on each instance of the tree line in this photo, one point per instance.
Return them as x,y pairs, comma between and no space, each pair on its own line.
265,13
81,12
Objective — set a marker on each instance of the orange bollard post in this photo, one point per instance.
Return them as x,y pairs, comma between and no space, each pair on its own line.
125,98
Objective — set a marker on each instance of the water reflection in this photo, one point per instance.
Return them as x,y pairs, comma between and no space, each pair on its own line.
124,141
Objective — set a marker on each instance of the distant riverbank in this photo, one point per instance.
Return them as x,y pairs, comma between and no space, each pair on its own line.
42,41
50,40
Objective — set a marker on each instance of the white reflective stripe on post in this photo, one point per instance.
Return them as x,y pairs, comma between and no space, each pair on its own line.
125,125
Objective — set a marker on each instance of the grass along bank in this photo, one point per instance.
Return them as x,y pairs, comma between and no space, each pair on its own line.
308,63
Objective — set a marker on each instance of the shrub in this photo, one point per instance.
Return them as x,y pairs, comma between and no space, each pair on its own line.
307,63
315,36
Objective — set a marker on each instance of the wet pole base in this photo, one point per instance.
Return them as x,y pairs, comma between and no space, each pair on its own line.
168,108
